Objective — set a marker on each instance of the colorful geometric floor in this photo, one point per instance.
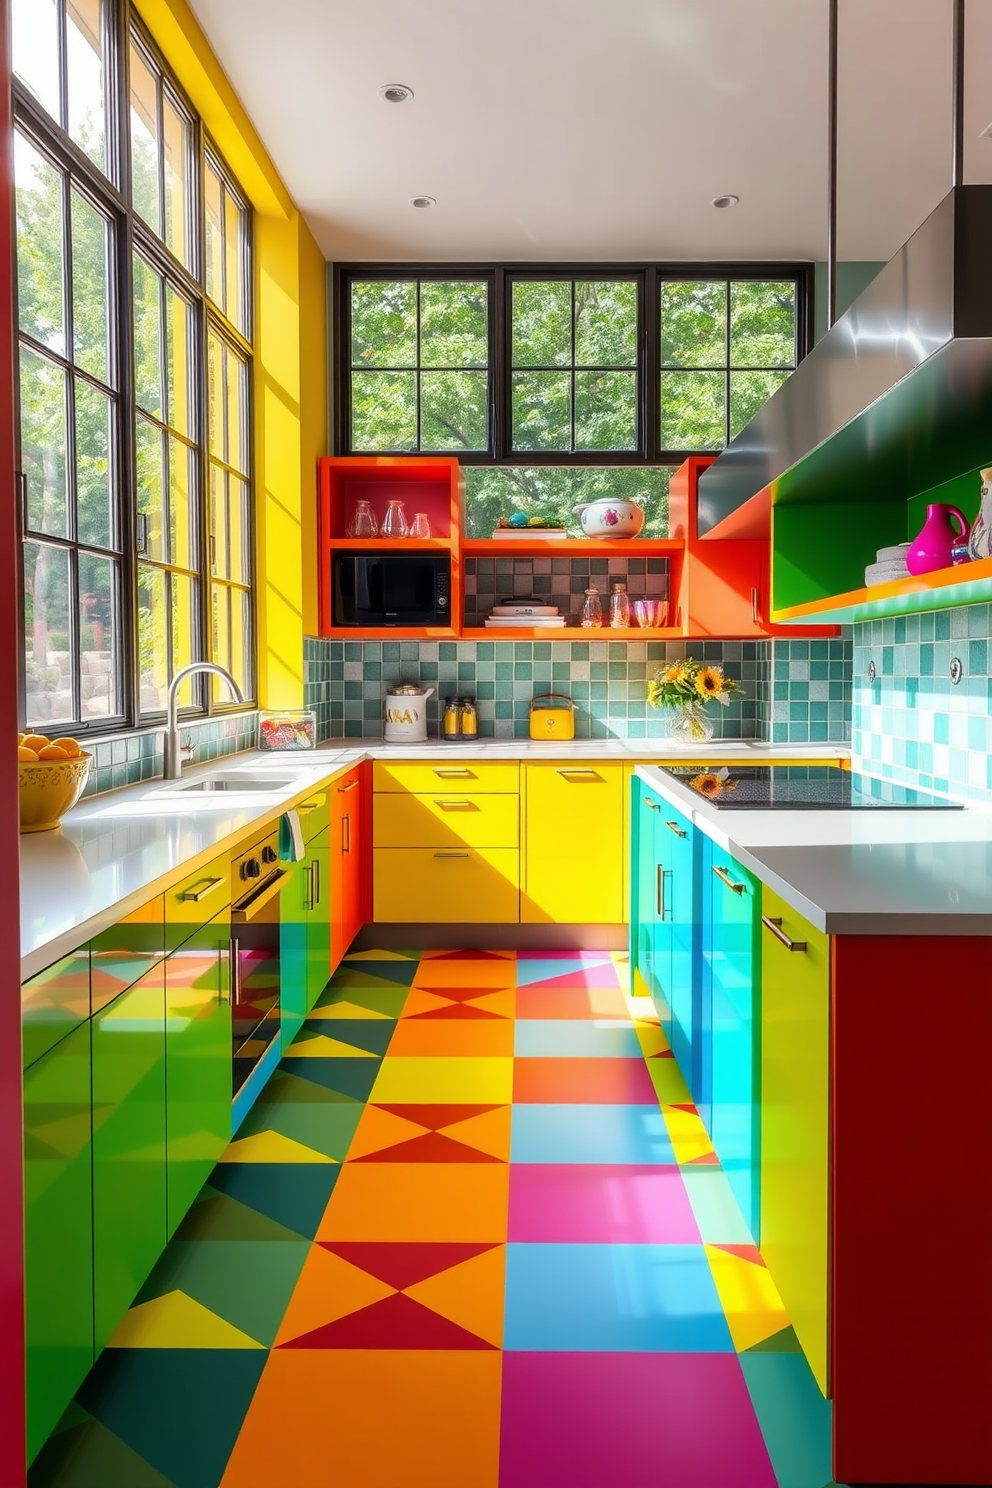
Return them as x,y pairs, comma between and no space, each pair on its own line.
473,1235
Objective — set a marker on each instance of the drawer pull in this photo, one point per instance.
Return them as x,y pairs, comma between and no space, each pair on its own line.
207,886
724,877
674,827
344,789
346,834
307,806
580,774
456,805
775,926
455,774
450,855
653,804
662,875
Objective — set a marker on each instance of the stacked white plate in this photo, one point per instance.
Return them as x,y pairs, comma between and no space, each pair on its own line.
890,564
523,615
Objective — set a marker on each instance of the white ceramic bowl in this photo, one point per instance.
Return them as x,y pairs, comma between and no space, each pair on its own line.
609,518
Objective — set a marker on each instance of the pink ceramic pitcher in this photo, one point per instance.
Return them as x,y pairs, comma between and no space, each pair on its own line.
932,546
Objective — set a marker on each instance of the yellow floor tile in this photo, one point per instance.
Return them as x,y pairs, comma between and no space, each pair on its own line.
177,1321
686,1131
747,1294
471,1081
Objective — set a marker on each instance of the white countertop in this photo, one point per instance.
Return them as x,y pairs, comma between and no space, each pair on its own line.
115,850
864,872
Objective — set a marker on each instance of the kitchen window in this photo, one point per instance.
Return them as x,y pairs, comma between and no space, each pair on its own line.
134,325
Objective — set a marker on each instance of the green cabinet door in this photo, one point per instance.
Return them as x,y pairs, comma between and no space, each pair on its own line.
58,1231
319,918
197,1061
294,908
795,1076
129,1204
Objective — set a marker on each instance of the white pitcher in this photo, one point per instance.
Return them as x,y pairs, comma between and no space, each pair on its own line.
980,541
406,714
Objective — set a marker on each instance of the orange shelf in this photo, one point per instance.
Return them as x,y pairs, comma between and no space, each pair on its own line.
391,633
392,544
965,583
569,633
515,547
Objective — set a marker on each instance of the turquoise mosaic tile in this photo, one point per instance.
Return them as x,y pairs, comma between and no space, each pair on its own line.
805,695
132,758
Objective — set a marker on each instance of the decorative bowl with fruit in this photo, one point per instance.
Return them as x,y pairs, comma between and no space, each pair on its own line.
51,776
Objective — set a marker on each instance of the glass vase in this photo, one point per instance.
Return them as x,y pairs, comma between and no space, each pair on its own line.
690,724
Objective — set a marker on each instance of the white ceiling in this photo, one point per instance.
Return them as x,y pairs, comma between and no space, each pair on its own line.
602,129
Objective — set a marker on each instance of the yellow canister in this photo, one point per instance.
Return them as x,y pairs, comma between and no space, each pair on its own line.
552,716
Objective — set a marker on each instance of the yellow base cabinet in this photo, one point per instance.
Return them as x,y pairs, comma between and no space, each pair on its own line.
459,885
447,819
795,1083
573,844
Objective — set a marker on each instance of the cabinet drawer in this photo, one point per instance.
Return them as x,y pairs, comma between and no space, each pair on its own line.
456,774
448,819
314,814
197,899
53,1003
442,886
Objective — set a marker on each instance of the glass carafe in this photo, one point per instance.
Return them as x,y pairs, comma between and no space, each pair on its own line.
592,611
619,608
394,523
421,525
363,522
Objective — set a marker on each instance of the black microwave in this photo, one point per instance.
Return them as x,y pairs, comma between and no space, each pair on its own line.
391,588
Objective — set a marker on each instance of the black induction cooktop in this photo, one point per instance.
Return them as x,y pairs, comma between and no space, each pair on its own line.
801,788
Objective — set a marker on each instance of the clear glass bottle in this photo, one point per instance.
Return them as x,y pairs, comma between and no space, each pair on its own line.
592,611
619,608
394,523
363,522
421,525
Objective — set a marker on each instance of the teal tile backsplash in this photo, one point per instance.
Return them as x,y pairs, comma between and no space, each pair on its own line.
912,724
132,758
607,680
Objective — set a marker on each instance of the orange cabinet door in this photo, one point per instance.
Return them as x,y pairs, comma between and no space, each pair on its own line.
347,862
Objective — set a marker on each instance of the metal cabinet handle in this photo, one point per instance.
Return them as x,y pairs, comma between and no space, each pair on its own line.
775,926
455,774
207,886
307,806
724,877
660,894
244,915
344,789
579,774
674,827
754,607
450,855
234,958
315,881
456,805
653,804
346,834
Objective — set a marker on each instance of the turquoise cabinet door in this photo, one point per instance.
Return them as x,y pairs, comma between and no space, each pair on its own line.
729,1045
650,932
293,960
198,1061
319,917
129,1183
679,864
58,1231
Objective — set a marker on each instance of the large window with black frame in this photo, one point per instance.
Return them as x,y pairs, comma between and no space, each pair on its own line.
558,385
134,345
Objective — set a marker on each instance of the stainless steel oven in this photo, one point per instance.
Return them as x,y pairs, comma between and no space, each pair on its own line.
258,880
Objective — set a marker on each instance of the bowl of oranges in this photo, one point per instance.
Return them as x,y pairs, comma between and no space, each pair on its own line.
51,775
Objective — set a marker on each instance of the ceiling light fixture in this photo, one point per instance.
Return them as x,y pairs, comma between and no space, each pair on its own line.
726,201
423,201
395,92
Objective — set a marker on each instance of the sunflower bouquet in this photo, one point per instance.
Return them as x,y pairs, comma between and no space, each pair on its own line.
686,686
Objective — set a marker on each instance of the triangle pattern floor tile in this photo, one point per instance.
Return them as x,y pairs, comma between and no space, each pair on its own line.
177,1321
433,1117
356,1034
323,1128
458,1010
248,1283
293,1194
397,1322
271,1147
489,1132
403,1264
431,1147
348,1079
470,1294
319,1046
217,1217
350,1011
329,1288
87,1455
380,956
468,956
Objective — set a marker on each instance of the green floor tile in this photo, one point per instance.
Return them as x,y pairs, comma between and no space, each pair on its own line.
326,1127
87,1455
350,1079
358,1033
292,1194
669,1085
247,1283
783,1342
217,1217
793,1415
293,1088
375,974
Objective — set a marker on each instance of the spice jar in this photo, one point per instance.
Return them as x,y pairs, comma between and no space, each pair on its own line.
451,718
470,719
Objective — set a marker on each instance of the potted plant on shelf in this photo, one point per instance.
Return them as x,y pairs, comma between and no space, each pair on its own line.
684,688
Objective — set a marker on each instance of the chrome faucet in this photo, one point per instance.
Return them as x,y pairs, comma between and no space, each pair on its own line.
173,745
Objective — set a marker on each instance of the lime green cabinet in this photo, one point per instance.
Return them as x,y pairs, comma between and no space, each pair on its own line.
304,935
319,917
58,1230
197,1061
129,1132
795,1085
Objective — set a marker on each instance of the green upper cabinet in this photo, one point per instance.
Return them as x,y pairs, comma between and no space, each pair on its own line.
58,1231
198,1060
129,1168
795,1089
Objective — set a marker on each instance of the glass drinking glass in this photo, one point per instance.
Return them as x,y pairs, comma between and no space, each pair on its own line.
420,526
394,523
363,522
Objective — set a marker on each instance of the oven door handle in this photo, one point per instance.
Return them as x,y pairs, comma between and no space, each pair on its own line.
245,912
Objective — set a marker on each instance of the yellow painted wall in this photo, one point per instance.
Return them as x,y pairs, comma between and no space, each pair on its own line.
290,390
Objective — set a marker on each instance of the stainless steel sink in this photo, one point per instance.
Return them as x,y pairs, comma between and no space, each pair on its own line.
236,783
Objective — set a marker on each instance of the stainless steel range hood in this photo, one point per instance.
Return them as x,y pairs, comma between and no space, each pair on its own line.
897,396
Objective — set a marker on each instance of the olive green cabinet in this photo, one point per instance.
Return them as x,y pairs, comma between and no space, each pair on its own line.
197,1061
305,935
58,1230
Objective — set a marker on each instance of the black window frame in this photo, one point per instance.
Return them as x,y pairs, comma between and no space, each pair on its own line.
649,276
110,191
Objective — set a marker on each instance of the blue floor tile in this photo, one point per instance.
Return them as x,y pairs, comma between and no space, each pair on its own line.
612,1298
576,1038
590,1134
539,970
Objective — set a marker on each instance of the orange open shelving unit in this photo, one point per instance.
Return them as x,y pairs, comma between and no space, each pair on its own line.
716,590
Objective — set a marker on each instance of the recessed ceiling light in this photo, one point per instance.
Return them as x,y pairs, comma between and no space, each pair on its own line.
423,201
726,201
395,92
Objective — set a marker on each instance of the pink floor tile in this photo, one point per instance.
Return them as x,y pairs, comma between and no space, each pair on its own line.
600,1204
629,1421
541,1001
